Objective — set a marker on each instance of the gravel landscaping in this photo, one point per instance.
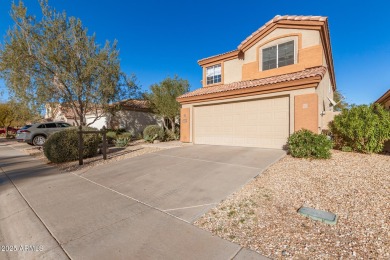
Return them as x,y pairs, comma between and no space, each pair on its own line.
263,215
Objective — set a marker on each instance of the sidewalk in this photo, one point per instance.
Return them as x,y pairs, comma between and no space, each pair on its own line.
73,216
22,233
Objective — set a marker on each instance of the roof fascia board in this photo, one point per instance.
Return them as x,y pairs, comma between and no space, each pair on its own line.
224,57
262,89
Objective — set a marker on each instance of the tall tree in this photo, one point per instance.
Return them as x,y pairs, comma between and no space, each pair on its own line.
15,114
6,115
54,60
163,98
340,101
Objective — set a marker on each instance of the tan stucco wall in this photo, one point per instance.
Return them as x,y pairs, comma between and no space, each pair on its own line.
133,121
291,95
309,38
185,124
306,112
324,90
232,70
309,56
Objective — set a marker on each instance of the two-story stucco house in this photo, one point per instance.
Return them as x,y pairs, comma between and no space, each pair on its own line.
277,81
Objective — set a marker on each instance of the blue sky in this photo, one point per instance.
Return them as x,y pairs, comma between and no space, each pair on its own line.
163,38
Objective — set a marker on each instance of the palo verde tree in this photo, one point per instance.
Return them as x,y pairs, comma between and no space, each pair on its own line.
163,98
340,101
54,60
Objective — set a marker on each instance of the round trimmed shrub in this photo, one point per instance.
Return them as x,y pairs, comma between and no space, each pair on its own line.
154,132
63,146
306,144
363,128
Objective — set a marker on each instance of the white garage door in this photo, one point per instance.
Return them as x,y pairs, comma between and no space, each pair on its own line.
255,123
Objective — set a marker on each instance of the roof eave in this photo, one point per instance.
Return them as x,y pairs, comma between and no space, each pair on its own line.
250,91
222,57
384,97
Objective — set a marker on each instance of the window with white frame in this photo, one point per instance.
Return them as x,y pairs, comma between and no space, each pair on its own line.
213,74
278,56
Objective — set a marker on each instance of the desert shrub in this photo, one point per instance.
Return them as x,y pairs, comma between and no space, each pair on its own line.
111,136
154,132
306,144
125,135
363,128
63,146
170,135
346,149
122,141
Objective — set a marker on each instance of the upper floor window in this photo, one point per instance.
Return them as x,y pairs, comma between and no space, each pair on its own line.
278,56
213,74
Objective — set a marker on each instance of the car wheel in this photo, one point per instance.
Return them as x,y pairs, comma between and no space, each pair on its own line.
39,140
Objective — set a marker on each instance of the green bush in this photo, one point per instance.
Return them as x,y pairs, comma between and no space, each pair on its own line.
111,137
346,149
117,131
170,136
126,135
306,144
154,132
122,141
363,128
63,146
138,136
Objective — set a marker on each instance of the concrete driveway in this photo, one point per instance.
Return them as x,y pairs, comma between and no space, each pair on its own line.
186,181
139,208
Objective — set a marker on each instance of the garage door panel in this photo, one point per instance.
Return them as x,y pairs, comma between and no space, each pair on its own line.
256,123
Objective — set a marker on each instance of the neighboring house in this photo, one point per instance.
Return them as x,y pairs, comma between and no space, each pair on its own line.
56,112
132,115
384,100
277,81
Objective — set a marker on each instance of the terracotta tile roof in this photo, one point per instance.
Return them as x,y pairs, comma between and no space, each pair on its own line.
134,104
308,73
273,20
284,17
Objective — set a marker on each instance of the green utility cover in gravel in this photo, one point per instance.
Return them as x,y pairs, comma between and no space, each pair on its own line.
320,215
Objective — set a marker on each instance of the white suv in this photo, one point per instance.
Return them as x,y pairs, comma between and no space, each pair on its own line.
38,133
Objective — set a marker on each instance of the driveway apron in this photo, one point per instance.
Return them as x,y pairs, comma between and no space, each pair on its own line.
139,208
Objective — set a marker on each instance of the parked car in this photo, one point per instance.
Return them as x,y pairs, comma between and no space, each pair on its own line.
38,133
19,133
